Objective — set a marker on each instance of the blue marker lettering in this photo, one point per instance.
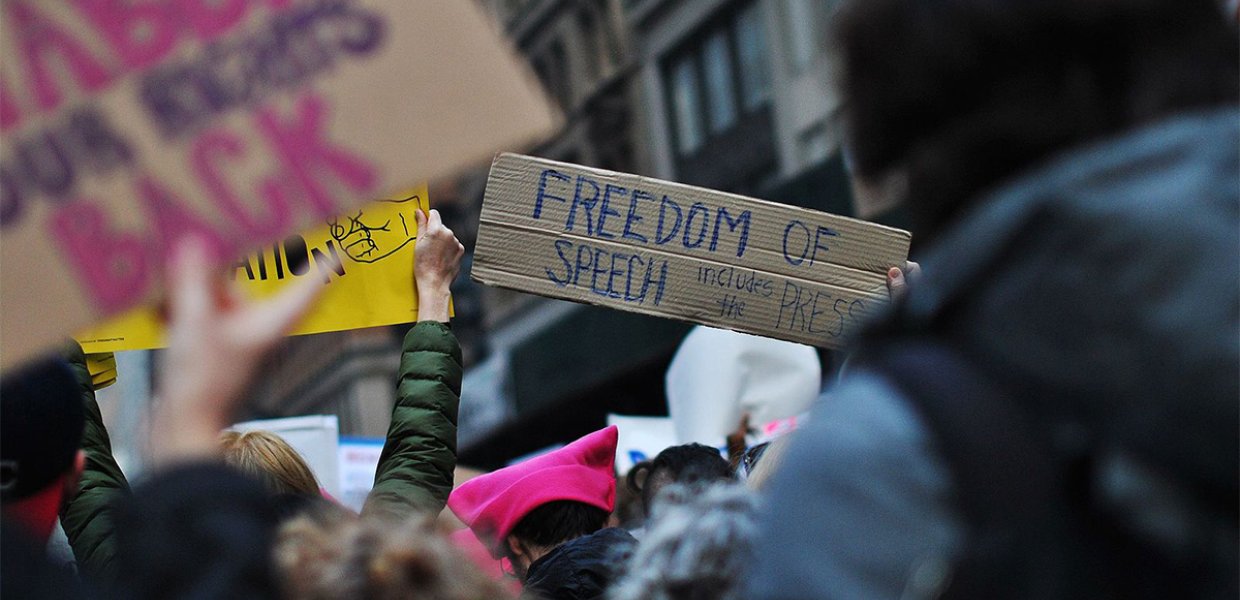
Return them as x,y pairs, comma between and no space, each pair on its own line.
804,251
560,246
580,264
606,209
693,210
587,204
542,190
818,242
658,234
742,221
634,218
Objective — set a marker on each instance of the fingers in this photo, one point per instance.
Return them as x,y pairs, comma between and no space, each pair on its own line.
265,322
433,220
419,217
193,285
898,279
895,278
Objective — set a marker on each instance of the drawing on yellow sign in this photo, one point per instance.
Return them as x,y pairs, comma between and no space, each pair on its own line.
366,243
365,258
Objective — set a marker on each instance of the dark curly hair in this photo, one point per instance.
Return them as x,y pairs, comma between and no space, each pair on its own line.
687,463
962,95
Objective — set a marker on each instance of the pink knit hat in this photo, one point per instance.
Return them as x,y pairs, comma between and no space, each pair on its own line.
492,504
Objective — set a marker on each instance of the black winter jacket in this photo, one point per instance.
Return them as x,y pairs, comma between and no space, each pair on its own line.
581,569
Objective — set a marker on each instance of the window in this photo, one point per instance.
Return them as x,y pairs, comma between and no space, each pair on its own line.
720,89
755,69
718,78
806,23
686,99
815,144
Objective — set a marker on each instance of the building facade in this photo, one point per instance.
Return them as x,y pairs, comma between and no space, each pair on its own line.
733,95
729,94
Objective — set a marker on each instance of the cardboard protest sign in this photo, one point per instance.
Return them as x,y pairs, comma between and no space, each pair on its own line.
102,369
672,250
365,258
127,125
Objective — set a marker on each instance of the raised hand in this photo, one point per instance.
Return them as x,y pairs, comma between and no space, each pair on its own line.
216,342
437,260
898,279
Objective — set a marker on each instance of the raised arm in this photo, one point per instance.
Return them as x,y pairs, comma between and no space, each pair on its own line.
419,457
88,516
197,528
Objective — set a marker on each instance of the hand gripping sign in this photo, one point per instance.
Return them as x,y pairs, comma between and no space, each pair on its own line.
667,249
128,124
365,259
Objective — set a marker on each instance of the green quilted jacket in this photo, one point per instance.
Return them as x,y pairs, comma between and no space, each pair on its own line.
87,517
419,457
415,469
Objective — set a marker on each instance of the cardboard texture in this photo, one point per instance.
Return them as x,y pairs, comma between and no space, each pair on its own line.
673,250
365,258
127,125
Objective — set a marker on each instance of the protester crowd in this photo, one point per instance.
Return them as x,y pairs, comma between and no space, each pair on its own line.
1048,409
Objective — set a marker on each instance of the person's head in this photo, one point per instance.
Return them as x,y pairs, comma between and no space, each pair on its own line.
41,423
687,463
547,527
268,458
526,510
954,98
337,555
698,545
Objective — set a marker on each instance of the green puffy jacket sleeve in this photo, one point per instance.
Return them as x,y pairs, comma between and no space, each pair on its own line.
419,457
87,517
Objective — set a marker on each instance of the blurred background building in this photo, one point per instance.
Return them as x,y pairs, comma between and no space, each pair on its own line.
729,94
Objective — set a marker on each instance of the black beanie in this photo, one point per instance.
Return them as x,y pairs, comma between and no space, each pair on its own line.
41,422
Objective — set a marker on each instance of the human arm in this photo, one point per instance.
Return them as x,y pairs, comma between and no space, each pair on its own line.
197,528
88,516
862,505
418,459
216,342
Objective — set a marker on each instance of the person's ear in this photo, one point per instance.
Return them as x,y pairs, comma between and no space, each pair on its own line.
516,547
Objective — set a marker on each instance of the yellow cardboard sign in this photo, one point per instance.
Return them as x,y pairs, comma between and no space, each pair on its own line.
102,369
365,258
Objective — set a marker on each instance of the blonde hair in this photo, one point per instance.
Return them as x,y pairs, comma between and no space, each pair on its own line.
337,555
267,457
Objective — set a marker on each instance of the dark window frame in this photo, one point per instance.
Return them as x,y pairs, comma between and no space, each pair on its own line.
694,47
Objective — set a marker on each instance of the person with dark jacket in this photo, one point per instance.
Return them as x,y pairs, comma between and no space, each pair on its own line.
419,457
546,515
1050,411
41,425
